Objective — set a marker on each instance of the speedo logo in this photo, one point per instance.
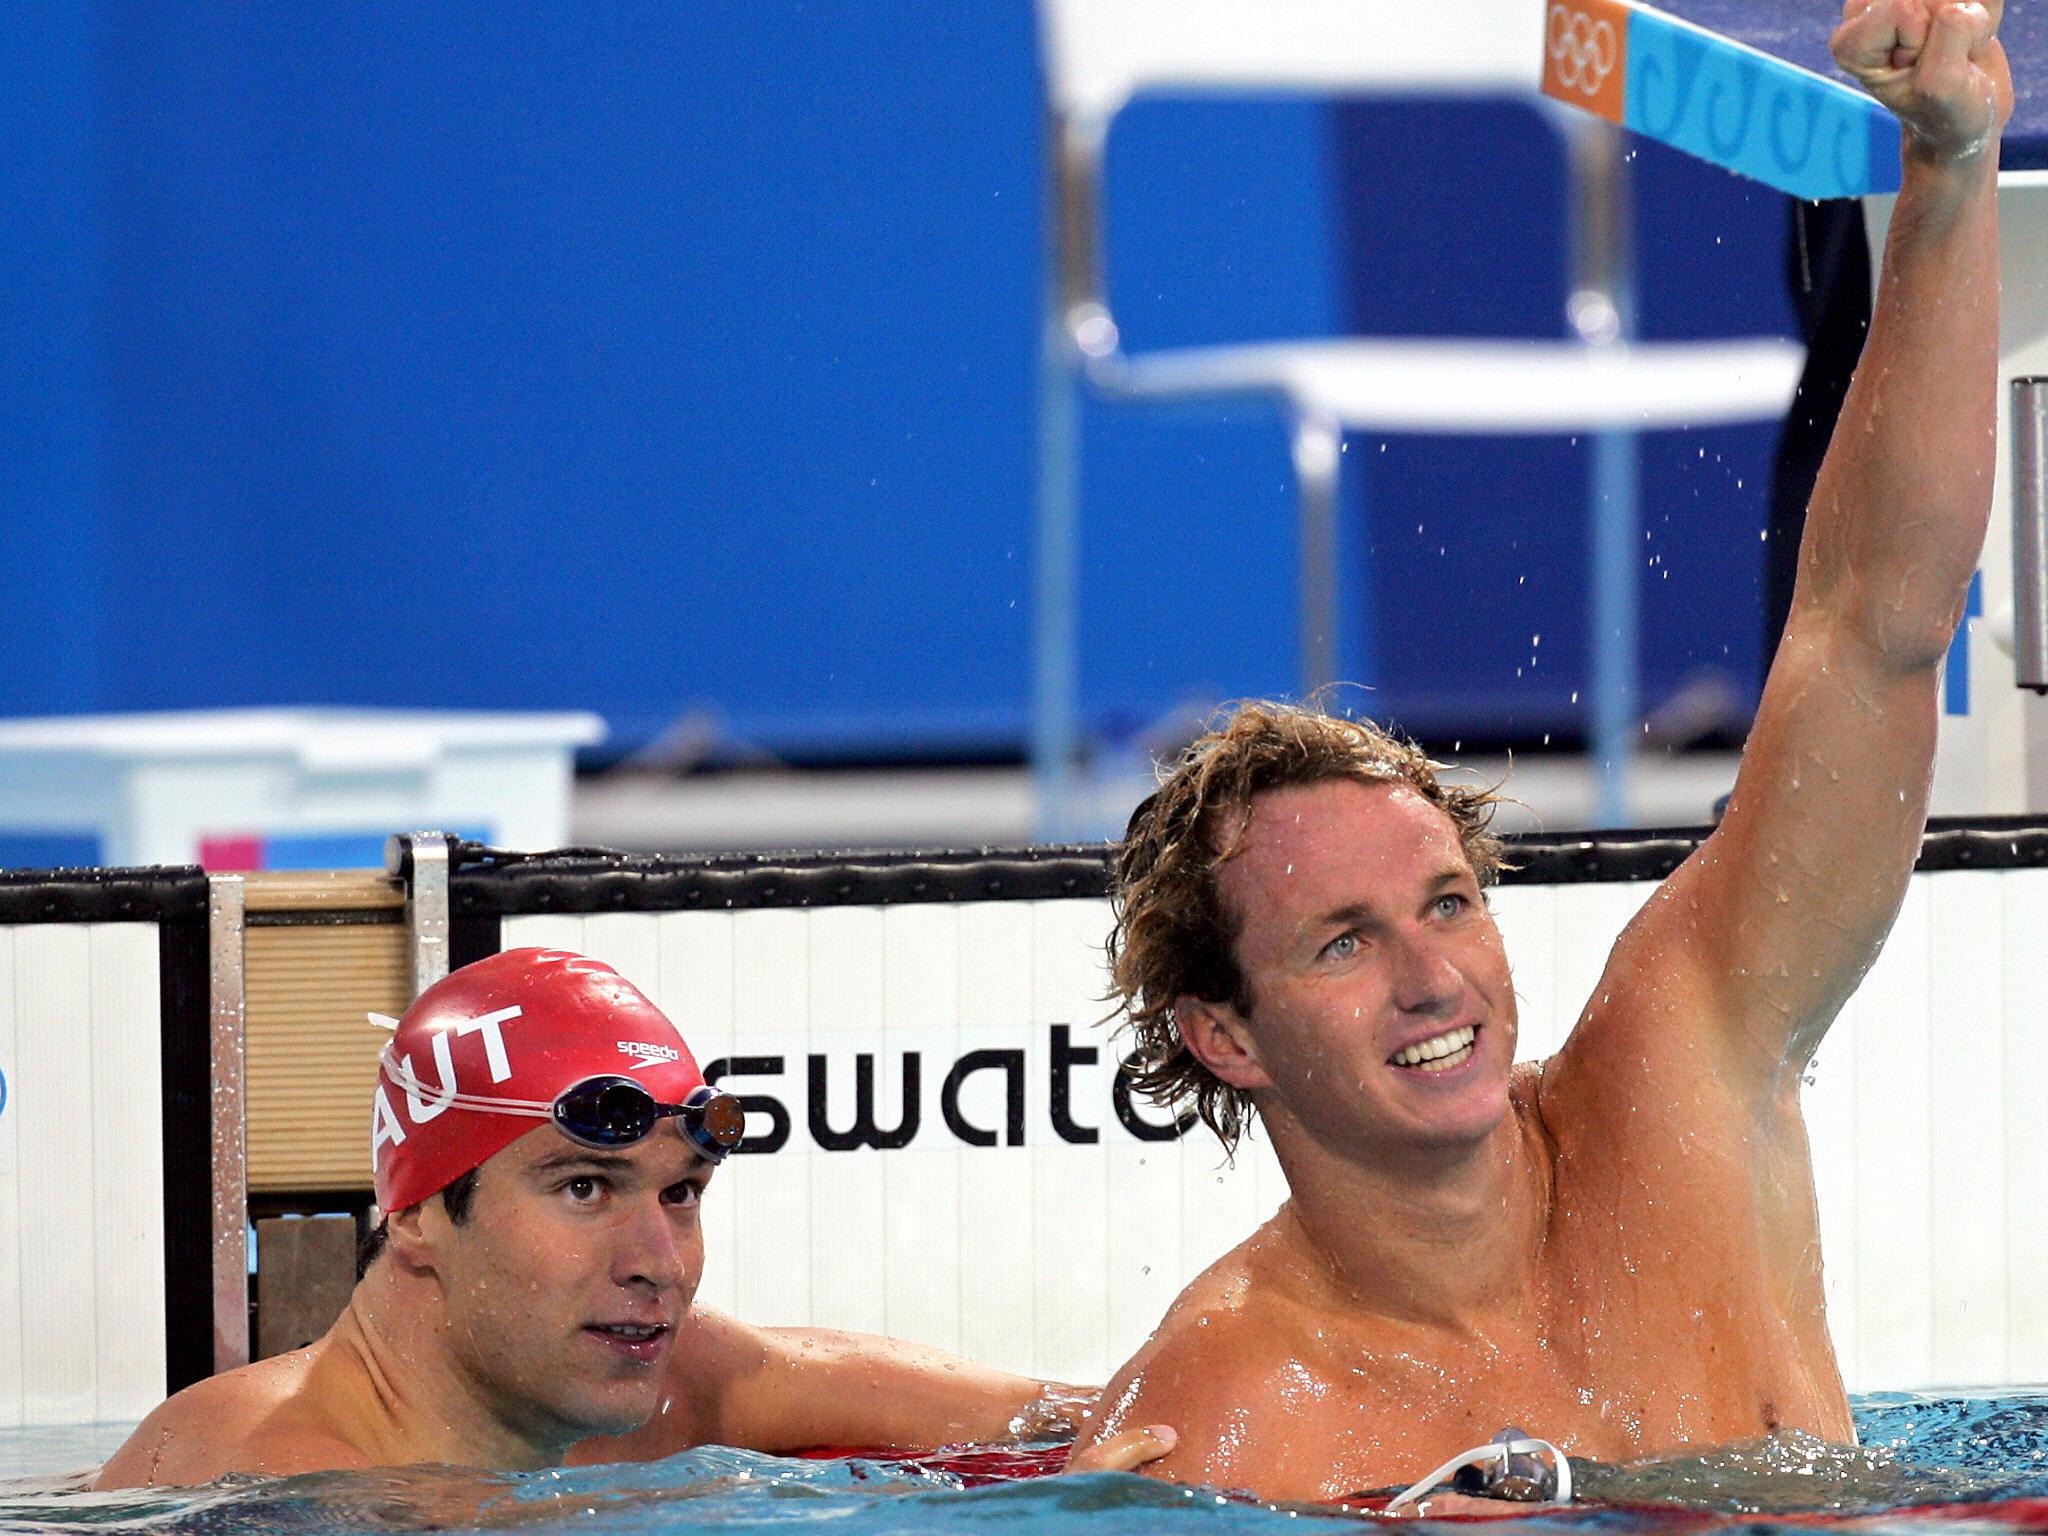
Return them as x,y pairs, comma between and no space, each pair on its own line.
649,1055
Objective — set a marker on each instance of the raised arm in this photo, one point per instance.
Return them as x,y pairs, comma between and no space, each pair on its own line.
1771,925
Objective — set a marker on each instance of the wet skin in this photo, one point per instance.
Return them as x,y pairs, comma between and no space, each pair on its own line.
561,1309
1618,1249
1617,1218
545,1317
794,1389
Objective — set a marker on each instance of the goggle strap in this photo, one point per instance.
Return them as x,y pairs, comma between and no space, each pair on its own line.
411,1082
691,1120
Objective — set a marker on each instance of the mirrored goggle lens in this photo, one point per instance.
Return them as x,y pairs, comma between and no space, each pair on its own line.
607,1114
714,1121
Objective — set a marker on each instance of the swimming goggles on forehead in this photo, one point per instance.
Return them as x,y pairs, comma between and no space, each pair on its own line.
606,1112
617,1112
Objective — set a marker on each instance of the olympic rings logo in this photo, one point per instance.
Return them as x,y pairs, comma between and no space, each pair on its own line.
1584,51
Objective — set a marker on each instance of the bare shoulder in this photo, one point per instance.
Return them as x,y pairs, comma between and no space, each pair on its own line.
238,1421
1220,1349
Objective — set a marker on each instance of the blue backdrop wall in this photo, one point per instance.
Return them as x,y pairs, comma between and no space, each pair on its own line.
666,360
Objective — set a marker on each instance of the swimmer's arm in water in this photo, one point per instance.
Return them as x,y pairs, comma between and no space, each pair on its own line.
791,1389
1765,932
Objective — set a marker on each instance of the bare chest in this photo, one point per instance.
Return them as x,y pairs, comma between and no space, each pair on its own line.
1643,1362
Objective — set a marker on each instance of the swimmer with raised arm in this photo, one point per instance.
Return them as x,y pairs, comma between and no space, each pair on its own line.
1618,1248
542,1139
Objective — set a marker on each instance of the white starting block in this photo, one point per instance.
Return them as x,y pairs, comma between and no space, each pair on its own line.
284,788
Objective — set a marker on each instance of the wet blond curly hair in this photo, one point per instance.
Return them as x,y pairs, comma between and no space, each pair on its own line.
1174,935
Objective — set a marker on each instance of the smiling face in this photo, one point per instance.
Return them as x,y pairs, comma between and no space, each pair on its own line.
563,1287
1379,1014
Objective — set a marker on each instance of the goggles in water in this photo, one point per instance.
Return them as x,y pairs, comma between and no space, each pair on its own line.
1510,1466
605,1112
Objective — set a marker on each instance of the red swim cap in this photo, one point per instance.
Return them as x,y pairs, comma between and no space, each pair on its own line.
519,1027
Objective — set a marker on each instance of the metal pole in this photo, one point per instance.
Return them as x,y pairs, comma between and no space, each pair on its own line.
1602,311
1617,580
1318,450
426,908
1077,327
1055,600
2030,532
225,904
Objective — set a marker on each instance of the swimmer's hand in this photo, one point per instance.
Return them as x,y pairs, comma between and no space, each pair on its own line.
1054,1413
1938,64
1126,1451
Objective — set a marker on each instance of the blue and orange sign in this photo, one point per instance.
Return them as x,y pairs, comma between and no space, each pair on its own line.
1721,100
1585,56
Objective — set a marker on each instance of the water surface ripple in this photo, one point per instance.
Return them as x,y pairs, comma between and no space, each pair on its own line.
1987,1454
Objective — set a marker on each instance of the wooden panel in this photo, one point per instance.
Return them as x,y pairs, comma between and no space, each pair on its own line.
312,1051
323,890
306,1270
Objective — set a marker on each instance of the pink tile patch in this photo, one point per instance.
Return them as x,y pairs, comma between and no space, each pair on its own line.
230,855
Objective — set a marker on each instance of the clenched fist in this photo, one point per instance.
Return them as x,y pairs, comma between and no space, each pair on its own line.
1938,64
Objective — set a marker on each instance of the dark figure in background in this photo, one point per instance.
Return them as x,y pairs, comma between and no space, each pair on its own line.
1827,265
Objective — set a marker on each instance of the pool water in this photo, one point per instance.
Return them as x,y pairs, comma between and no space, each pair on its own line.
1986,1453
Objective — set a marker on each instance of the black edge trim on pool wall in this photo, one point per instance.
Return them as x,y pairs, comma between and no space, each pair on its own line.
472,938
185,989
166,894
583,883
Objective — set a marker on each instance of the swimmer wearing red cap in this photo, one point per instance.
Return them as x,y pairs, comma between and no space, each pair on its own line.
542,1139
